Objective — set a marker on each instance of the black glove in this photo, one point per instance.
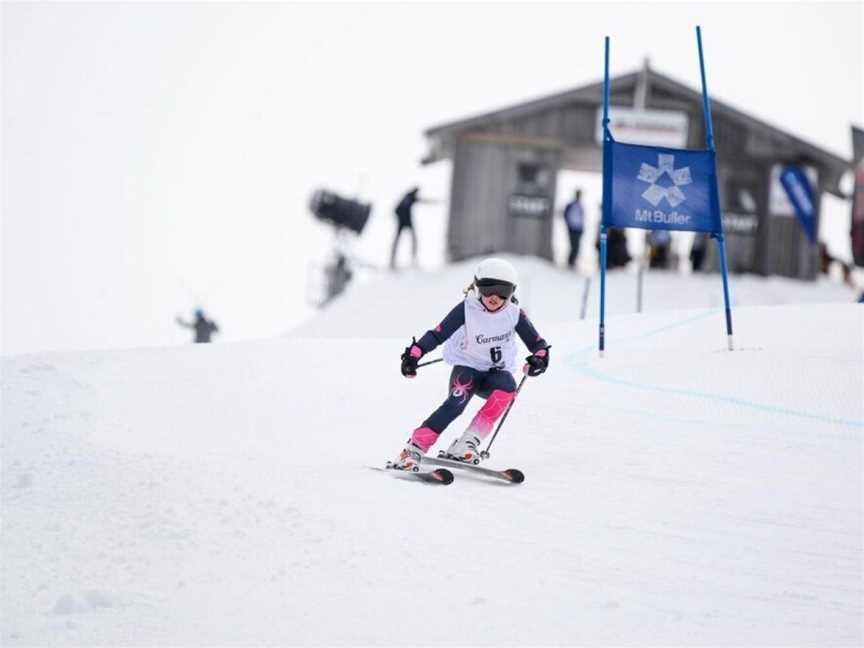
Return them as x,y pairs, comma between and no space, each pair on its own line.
537,362
409,362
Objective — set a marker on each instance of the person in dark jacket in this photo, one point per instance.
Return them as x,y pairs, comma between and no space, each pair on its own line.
698,251
404,220
204,328
574,216
617,254
659,242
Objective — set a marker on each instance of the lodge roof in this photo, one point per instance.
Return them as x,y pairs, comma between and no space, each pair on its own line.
442,137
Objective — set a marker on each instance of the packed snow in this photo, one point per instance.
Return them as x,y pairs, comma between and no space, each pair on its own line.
676,493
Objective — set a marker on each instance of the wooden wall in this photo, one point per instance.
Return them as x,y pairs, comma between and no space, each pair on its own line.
484,177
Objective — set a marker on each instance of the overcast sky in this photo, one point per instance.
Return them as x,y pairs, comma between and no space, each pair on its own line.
158,157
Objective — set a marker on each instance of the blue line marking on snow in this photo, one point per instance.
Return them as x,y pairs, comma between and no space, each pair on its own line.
683,322
579,359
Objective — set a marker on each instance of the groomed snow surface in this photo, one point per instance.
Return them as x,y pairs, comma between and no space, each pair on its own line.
676,493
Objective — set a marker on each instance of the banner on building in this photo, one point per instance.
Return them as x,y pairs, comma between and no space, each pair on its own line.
740,211
529,206
778,200
653,127
800,193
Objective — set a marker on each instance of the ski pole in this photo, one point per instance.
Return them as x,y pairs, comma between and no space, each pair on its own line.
485,453
423,364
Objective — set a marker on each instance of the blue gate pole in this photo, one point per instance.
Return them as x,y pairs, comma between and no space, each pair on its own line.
715,199
602,289
607,200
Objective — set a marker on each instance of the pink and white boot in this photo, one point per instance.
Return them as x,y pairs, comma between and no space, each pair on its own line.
409,459
411,455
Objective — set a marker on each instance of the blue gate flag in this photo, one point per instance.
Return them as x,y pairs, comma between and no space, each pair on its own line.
800,193
660,188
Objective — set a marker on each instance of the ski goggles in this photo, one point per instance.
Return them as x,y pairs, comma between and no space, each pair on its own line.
489,287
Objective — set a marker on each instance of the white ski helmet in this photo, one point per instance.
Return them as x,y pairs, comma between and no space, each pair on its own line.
496,276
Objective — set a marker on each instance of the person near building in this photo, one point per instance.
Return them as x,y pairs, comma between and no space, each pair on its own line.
405,221
574,216
698,250
204,328
826,260
659,242
617,253
479,338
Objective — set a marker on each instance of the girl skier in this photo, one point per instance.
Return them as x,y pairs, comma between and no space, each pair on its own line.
479,342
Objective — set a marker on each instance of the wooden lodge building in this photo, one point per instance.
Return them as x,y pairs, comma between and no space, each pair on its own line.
505,165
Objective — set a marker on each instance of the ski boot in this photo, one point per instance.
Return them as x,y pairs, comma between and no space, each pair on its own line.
465,449
409,459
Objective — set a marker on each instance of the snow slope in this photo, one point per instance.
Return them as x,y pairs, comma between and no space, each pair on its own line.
676,493
397,305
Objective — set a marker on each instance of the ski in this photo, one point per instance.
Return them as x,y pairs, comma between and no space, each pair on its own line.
510,474
440,476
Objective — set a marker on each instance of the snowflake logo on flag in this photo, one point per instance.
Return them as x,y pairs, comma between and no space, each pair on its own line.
679,177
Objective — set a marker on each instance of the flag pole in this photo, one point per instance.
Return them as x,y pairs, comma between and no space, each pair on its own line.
715,200
607,200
